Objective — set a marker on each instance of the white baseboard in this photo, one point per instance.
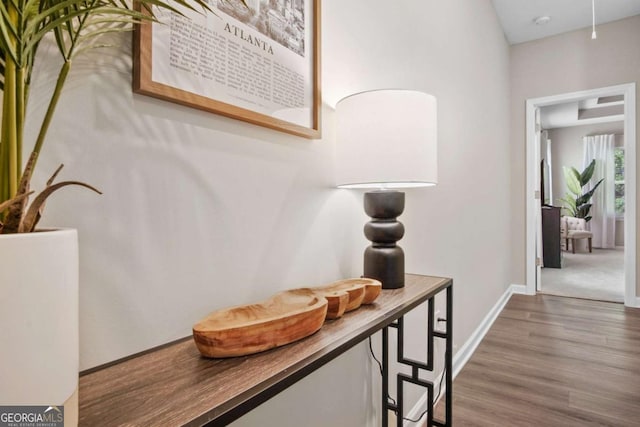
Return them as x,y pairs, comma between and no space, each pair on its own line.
635,303
466,351
519,289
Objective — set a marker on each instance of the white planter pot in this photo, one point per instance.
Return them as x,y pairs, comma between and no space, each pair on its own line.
39,356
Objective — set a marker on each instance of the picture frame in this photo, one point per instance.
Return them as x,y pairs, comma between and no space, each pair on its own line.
258,63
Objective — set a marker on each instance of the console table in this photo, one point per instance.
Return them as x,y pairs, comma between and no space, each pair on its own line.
174,385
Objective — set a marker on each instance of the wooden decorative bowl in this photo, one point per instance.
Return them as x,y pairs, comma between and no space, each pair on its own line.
372,288
359,291
284,318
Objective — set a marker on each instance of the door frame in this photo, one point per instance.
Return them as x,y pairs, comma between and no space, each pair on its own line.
627,90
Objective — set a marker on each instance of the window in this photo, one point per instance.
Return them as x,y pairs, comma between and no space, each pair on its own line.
619,180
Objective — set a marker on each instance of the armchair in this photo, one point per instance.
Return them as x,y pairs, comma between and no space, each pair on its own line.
572,228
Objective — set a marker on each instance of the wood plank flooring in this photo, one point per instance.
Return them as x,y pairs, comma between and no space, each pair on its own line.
553,361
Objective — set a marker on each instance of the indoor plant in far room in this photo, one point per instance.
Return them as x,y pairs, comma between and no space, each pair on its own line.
576,202
39,270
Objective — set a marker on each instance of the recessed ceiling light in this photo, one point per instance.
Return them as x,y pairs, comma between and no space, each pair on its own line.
542,20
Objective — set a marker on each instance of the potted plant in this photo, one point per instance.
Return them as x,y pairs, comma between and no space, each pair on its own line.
39,270
576,202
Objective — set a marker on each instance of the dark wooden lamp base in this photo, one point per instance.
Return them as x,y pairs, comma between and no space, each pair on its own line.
383,259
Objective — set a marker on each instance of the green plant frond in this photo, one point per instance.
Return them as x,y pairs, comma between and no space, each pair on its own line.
31,7
583,211
59,12
586,174
29,68
16,4
57,15
570,204
587,196
56,25
121,19
576,173
597,184
582,199
202,5
63,15
572,181
30,11
570,200
7,34
60,40
584,207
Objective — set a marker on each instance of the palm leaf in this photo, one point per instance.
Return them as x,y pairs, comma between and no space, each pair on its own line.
8,34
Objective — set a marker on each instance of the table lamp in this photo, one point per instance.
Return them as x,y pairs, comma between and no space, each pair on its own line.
386,140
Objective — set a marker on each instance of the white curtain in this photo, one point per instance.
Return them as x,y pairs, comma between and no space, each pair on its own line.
603,223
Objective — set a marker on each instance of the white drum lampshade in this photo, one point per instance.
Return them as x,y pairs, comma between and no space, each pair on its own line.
387,139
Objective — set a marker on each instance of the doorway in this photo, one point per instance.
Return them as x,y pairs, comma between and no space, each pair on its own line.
534,171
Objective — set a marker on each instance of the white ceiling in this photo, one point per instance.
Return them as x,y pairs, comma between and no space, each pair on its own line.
517,16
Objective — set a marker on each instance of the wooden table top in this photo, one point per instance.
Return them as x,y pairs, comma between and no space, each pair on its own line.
174,385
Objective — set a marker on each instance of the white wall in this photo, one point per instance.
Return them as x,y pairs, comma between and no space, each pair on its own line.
560,64
200,212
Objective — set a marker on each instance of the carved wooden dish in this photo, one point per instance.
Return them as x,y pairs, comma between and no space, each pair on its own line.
371,287
284,318
359,291
238,331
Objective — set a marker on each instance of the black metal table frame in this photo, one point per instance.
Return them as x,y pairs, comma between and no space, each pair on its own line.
417,366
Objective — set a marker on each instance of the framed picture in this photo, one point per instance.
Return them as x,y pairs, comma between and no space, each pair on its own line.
257,61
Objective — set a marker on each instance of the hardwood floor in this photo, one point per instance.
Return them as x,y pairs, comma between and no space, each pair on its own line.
553,361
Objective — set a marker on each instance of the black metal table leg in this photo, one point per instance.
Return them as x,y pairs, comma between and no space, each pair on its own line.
449,360
385,376
416,366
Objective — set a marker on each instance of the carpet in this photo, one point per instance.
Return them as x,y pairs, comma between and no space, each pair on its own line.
598,275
